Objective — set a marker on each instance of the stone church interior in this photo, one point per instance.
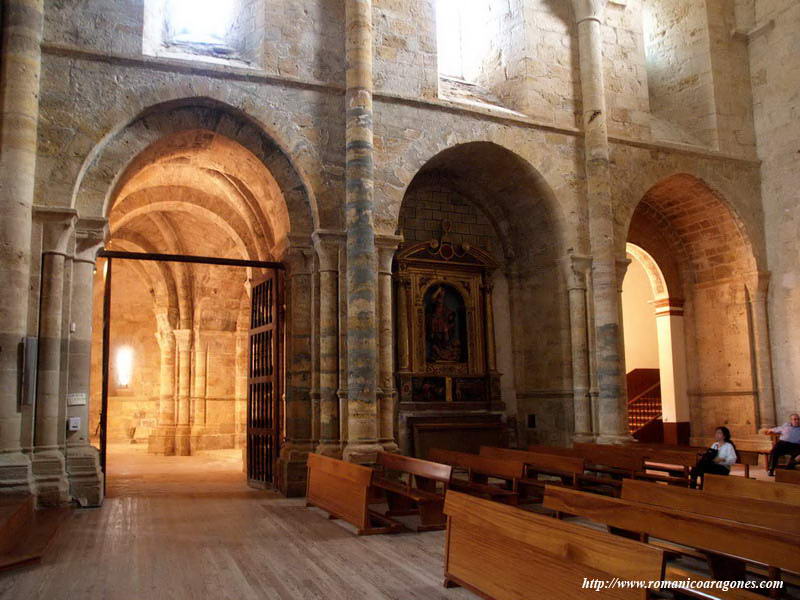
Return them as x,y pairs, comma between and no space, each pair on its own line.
424,300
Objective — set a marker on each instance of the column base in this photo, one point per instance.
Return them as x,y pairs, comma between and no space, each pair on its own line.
290,469
162,441
50,478
331,449
614,439
363,453
390,446
583,438
183,440
16,476
85,476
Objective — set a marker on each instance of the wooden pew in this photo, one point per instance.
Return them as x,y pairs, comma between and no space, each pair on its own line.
723,485
772,515
787,476
418,494
748,458
505,553
344,491
568,468
630,460
728,545
675,573
479,470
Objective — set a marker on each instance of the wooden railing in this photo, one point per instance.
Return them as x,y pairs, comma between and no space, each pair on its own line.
644,402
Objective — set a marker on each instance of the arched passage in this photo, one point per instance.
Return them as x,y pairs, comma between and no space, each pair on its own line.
199,181
493,208
709,269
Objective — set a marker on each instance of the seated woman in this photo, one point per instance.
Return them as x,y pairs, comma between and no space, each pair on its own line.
718,459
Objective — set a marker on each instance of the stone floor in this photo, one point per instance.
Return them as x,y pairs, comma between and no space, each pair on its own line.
189,528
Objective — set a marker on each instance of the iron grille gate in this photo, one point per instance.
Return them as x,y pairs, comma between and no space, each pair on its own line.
264,379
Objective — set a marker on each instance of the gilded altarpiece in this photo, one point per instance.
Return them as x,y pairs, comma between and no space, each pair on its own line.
446,370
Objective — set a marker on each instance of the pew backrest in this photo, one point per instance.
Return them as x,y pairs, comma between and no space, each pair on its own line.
545,463
505,553
787,476
340,488
415,466
623,458
745,541
723,485
771,515
481,465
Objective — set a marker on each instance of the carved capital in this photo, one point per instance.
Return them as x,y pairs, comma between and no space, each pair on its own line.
298,260
757,284
577,268
622,268
386,245
58,224
589,10
327,244
90,235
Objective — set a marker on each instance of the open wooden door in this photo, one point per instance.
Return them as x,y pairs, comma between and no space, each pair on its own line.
264,379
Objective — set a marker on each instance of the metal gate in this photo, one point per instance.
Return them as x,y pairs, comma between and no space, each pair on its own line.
264,379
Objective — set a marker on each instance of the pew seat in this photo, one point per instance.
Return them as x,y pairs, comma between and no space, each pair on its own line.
479,471
420,493
787,476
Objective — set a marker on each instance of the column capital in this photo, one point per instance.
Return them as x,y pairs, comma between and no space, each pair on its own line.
90,235
577,267
589,10
622,269
298,259
57,226
757,284
327,243
183,339
387,246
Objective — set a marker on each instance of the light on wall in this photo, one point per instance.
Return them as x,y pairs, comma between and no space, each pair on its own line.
201,21
124,366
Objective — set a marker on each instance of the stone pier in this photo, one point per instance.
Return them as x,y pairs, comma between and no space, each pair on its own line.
19,103
362,275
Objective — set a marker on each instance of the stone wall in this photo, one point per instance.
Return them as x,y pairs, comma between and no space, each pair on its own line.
774,48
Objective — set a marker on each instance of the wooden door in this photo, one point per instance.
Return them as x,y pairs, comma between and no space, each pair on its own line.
264,379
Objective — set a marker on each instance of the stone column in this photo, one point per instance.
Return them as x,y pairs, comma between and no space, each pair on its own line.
672,370
387,393
240,415
622,269
83,459
199,392
183,428
327,245
291,474
49,466
611,421
362,331
19,93
757,290
577,270
163,441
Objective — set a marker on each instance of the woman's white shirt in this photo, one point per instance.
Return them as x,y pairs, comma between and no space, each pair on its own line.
726,453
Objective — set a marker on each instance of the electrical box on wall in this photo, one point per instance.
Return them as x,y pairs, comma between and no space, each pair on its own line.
74,424
531,421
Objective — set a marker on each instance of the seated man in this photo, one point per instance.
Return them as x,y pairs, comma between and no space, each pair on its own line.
789,442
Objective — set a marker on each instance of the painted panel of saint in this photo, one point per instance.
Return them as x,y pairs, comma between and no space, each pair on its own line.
445,325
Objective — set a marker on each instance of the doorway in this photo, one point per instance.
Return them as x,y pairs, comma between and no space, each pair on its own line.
185,420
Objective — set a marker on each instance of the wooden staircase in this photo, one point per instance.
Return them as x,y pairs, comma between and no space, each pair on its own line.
26,533
644,405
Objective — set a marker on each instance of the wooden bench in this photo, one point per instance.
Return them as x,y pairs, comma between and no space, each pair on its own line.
748,458
344,491
418,493
568,468
723,485
630,460
772,515
675,573
479,470
728,545
505,553
787,476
